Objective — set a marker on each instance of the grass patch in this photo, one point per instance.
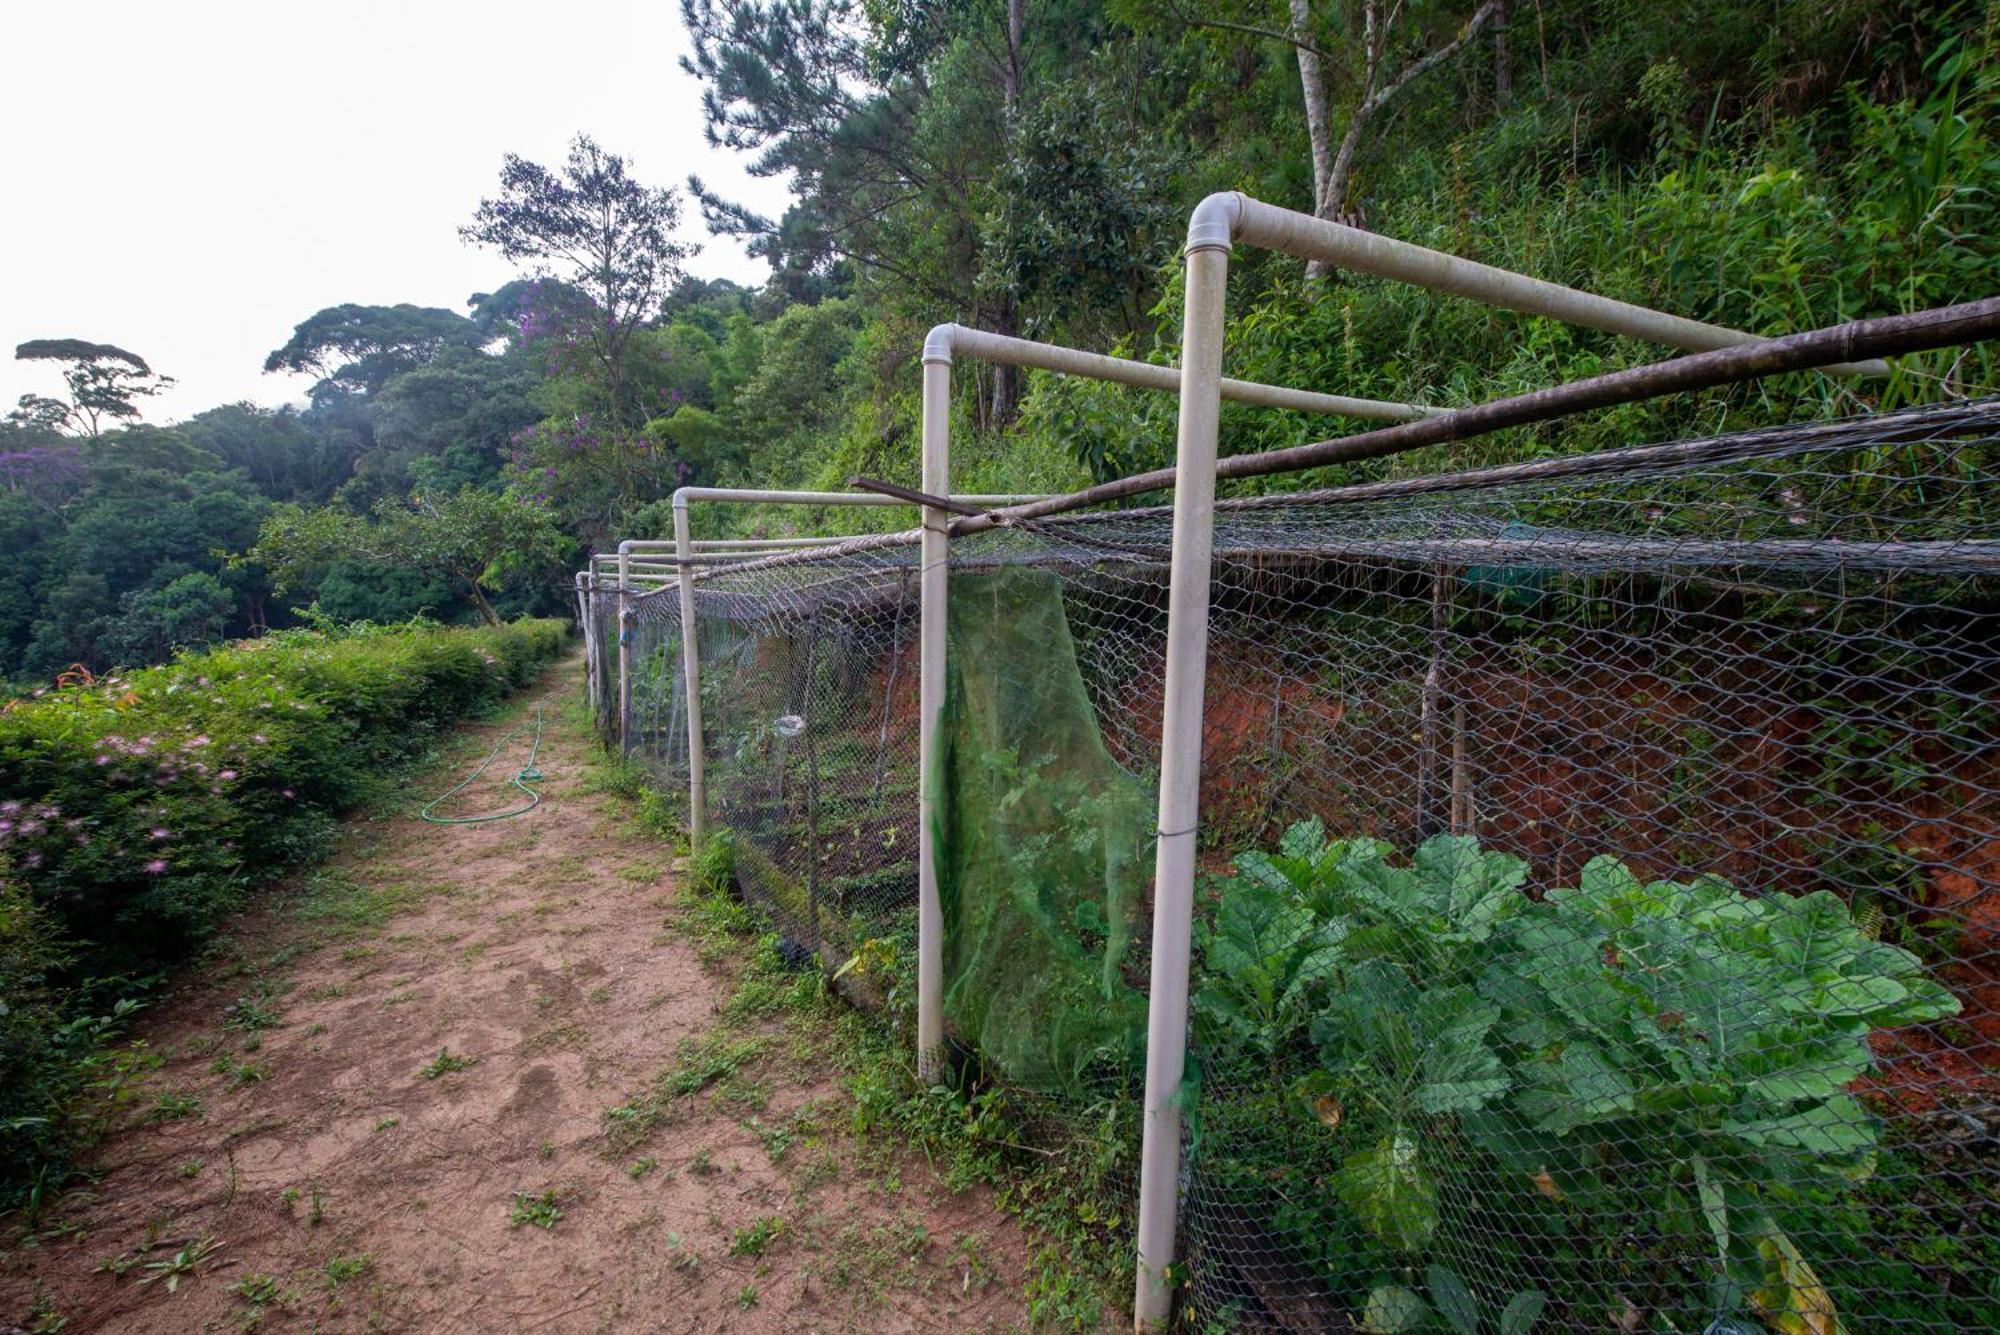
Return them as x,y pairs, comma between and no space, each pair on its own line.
340,1270
711,1059
755,1239
444,1064
540,1209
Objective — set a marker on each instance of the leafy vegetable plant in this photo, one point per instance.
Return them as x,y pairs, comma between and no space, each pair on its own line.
1624,1058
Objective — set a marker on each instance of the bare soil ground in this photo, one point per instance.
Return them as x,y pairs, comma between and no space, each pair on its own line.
502,1077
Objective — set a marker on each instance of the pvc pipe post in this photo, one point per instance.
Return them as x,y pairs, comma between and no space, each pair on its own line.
624,656
691,684
932,592
1180,777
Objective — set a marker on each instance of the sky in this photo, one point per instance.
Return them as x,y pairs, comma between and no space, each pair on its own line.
191,180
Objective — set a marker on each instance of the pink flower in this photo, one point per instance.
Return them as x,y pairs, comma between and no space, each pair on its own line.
156,866
227,776
290,794
161,832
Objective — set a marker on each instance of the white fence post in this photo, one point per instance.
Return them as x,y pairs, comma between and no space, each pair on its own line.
1180,768
933,572
691,677
624,653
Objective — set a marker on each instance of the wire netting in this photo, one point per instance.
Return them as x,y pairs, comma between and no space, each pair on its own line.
1601,871
600,646
655,727
809,695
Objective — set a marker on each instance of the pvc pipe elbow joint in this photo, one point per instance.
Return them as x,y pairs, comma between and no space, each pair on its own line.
1214,222
940,344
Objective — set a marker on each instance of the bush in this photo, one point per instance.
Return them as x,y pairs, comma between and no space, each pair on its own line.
142,807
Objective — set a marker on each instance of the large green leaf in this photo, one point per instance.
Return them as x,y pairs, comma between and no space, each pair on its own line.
1472,888
1578,1087
1839,1128
1793,1063
1370,1018
1452,1299
1459,1071
1388,1189
1263,955
1305,841
1523,1310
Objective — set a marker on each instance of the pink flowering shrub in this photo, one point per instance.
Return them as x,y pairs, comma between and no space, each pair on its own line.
140,809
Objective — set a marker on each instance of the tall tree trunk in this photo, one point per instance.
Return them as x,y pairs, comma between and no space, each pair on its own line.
1007,379
478,596
1016,20
1503,69
1376,93
1312,81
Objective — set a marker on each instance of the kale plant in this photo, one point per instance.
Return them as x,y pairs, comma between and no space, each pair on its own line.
1651,1071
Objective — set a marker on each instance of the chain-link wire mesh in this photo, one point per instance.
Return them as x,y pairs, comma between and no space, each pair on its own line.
1602,927
655,727
809,701
1601,872
600,646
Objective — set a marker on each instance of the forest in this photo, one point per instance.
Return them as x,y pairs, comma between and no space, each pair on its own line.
1027,169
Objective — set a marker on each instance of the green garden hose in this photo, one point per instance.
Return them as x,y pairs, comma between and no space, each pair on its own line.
524,776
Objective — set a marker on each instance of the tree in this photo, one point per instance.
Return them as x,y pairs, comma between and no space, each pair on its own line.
1376,69
105,383
602,234
356,349
189,611
472,539
284,453
839,109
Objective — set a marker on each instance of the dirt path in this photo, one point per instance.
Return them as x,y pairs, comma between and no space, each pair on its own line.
502,1078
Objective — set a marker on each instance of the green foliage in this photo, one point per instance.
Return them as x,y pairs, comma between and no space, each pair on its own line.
1620,1049
104,383
541,1209
444,1064
711,868
754,1239
356,349
471,538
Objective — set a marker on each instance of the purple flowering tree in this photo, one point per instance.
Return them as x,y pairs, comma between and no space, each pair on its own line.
604,236
48,475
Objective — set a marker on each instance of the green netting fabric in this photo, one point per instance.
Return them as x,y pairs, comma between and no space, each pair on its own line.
1043,844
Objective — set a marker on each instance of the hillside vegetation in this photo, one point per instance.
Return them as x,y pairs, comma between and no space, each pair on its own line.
1026,168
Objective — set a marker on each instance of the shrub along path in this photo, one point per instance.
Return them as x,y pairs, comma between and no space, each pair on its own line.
506,1077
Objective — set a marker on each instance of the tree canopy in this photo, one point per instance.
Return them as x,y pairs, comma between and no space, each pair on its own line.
105,384
1026,167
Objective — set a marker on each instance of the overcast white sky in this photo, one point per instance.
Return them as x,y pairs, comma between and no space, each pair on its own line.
189,180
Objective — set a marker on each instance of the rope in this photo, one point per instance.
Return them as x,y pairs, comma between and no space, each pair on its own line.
524,776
